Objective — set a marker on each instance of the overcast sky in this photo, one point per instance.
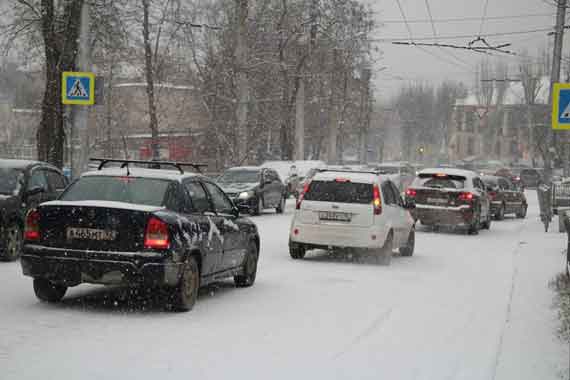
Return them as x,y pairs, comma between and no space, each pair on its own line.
436,64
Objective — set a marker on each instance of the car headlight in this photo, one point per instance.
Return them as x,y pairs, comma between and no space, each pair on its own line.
245,195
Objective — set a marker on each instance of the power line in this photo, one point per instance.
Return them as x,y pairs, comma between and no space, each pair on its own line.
449,37
405,20
462,19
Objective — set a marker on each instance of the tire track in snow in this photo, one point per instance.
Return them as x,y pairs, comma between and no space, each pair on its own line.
515,257
380,320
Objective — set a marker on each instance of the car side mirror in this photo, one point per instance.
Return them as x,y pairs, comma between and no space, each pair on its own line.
35,191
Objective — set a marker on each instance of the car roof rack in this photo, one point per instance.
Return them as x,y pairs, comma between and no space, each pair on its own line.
151,164
376,172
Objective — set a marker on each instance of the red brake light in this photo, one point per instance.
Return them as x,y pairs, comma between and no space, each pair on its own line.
411,193
492,194
377,202
302,195
32,230
465,197
342,180
156,235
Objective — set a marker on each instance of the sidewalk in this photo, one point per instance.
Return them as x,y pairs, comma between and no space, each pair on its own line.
530,348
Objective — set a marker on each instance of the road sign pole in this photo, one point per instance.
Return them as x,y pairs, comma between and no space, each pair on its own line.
80,121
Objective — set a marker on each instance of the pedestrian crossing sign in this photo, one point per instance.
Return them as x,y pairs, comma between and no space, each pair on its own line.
561,106
78,88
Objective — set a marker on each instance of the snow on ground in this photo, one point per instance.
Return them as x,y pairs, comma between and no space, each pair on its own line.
463,307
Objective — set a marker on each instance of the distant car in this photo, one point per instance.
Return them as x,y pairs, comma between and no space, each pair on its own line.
254,189
505,197
401,173
513,175
531,177
23,185
149,228
350,209
450,197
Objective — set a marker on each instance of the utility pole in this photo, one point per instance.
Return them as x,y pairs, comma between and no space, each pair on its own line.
554,78
81,113
242,81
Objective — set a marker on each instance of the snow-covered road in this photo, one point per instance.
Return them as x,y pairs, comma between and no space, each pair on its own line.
463,307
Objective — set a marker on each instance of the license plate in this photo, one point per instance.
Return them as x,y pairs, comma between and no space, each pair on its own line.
335,216
90,234
437,200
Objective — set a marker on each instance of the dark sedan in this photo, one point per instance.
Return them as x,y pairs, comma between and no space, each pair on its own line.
23,185
505,197
254,189
146,227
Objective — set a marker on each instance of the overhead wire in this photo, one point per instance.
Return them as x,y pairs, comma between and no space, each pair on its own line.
483,17
448,37
462,19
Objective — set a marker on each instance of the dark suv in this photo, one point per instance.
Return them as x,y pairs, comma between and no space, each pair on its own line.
153,228
254,189
23,185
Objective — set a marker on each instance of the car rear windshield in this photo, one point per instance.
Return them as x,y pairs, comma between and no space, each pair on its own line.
439,181
240,176
341,192
10,181
144,191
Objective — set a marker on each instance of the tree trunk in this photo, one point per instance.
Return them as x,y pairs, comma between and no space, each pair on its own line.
60,36
150,82
242,8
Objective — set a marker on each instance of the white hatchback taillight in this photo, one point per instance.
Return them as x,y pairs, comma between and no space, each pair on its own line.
156,235
376,201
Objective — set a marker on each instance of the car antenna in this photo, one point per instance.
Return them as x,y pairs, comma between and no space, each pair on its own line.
126,164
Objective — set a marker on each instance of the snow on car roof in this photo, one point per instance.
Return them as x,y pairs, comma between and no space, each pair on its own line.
251,168
361,177
17,164
173,175
449,171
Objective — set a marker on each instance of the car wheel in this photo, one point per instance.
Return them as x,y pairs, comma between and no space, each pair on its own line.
408,249
249,267
186,293
384,256
13,238
297,251
487,224
281,208
258,209
47,291
521,214
500,215
475,225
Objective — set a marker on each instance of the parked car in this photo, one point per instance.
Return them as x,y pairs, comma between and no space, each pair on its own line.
513,175
23,185
292,173
450,197
531,177
350,209
254,189
401,173
150,228
505,197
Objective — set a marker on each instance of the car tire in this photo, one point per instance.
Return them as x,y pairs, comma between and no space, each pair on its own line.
258,209
475,225
521,214
384,256
14,240
500,215
297,251
186,293
281,208
408,249
47,291
249,267
487,224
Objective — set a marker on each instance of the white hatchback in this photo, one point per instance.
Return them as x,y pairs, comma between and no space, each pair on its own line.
352,209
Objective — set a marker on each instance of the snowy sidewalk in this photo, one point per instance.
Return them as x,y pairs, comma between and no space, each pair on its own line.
529,348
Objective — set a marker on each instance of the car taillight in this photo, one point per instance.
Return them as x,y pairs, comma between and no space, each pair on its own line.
376,201
302,195
492,194
466,197
411,193
156,235
32,230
